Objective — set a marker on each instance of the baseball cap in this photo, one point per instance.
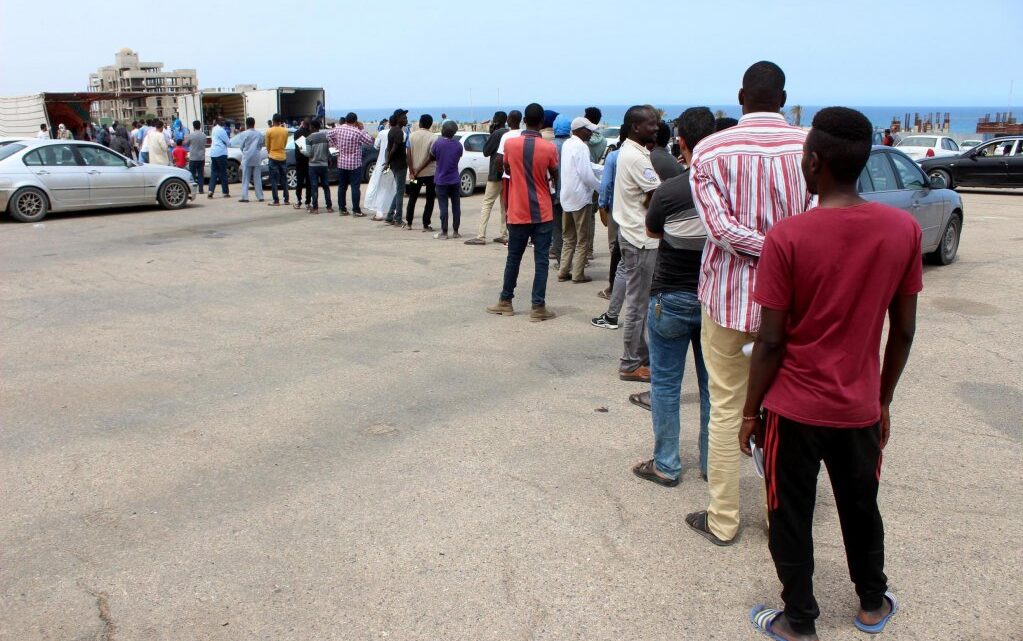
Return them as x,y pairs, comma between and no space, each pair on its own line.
399,112
582,123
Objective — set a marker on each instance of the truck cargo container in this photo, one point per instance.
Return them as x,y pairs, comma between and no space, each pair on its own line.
20,116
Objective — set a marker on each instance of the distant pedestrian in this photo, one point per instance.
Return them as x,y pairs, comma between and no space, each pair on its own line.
446,151
744,180
179,156
349,139
63,133
102,135
157,147
492,194
121,141
547,131
579,181
531,164
562,132
380,193
514,130
276,140
597,142
218,159
251,143
664,163
817,390
318,150
302,166
397,162
196,141
889,139
43,132
421,170
635,182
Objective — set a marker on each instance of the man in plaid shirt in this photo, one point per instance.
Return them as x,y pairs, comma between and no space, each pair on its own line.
348,139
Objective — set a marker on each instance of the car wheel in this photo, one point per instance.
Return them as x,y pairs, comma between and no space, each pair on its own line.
944,175
291,176
234,172
173,194
945,254
28,205
372,167
467,183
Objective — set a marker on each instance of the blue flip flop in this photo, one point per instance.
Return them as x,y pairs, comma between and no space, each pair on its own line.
879,626
762,617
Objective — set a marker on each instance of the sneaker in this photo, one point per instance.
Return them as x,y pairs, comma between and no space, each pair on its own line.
378,219
501,239
605,293
330,210
406,226
604,321
314,210
502,308
209,195
456,235
427,228
641,374
540,313
358,214
343,212
243,200
441,236
476,241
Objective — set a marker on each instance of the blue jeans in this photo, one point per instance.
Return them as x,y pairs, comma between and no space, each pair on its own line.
400,173
279,176
451,193
195,168
673,322
347,177
318,177
518,237
218,173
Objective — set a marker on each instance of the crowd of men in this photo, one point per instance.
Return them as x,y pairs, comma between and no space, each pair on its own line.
755,249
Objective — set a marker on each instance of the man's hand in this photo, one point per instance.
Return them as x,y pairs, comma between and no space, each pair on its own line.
886,425
752,427
603,216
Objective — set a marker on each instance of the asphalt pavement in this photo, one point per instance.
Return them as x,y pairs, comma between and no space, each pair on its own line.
244,422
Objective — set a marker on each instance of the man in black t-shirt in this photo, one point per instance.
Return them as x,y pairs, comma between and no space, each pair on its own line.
674,319
397,161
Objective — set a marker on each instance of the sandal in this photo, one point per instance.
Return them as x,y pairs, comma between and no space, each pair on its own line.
698,521
762,618
646,470
879,626
641,399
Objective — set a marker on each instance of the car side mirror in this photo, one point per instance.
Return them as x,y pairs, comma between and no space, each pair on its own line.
131,163
938,182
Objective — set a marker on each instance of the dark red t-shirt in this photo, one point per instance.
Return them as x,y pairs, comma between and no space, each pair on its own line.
836,271
529,159
180,156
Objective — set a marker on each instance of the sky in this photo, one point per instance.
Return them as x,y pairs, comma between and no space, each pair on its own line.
859,53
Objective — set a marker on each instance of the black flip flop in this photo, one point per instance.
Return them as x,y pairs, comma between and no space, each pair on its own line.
646,471
641,399
698,521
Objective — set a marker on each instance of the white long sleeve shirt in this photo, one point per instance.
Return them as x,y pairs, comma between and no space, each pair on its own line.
579,178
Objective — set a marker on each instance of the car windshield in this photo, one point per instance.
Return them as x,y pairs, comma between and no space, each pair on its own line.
917,141
9,149
612,132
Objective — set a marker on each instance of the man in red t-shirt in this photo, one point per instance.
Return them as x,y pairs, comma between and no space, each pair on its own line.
532,164
825,281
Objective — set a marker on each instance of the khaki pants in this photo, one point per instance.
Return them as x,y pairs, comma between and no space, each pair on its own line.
728,375
573,249
590,230
491,196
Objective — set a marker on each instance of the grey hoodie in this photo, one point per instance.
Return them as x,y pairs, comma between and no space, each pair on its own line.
318,149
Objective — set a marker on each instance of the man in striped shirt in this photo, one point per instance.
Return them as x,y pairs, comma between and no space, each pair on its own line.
744,180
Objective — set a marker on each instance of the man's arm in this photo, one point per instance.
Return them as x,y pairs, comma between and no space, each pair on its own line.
901,329
723,229
656,214
490,148
768,351
583,168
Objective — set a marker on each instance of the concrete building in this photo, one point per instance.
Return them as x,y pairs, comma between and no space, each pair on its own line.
128,78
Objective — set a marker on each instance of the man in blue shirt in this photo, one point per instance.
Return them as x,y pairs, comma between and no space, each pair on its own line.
218,159
615,291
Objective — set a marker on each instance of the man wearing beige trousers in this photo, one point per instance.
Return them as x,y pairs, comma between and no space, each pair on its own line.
744,180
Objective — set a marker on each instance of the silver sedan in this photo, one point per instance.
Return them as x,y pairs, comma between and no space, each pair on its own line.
40,176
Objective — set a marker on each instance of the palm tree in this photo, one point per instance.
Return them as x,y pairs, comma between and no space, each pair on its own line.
796,114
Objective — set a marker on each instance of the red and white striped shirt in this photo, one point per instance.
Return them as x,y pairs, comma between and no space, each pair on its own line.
744,180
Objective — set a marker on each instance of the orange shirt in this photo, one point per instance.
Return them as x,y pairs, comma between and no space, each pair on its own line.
529,158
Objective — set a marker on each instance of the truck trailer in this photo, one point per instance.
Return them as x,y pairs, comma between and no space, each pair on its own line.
20,116
292,103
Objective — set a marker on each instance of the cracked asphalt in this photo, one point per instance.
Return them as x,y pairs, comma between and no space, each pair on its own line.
242,422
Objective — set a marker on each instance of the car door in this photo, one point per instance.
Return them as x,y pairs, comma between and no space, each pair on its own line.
878,183
985,166
57,168
474,144
1015,165
112,181
925,204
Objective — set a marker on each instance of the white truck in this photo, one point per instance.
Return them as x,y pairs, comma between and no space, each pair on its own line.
20,116
293,103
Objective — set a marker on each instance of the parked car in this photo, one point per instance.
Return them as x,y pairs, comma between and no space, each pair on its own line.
473,166
369,159
920,147
234,161
893,178
969,144
996,163
42,176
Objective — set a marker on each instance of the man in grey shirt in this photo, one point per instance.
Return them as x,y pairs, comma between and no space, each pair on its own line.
251,142
318,150
664,163
196,143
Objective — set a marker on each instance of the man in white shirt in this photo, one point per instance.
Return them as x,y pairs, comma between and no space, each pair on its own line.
43,133
579,179
635,182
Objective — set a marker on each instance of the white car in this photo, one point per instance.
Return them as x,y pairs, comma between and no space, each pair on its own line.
920,147
969,144
473,166
234,160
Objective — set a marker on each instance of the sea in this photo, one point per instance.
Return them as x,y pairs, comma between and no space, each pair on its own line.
962,120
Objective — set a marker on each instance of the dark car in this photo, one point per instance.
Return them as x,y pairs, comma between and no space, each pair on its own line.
893,178
369,159
996,163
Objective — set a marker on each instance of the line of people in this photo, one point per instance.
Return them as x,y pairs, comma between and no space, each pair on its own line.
728,254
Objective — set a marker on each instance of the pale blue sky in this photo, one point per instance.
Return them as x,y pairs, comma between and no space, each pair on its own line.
938,53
